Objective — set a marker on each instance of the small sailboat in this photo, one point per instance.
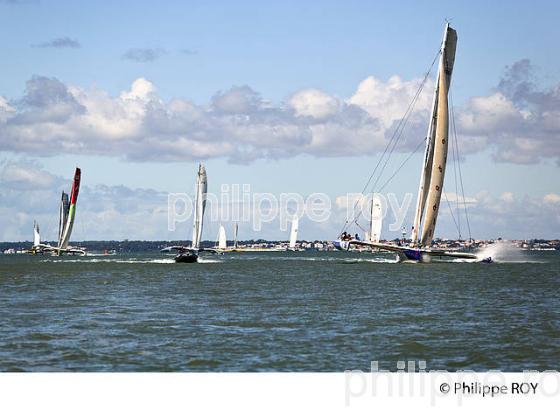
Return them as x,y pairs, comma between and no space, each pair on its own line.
432,175
235,236
36,234
293,234
67,216
190,254
222,241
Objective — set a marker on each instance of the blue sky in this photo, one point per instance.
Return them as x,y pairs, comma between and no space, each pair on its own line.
278,50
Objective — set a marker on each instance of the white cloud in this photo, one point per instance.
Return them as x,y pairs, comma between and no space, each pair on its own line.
314,103
506,197
388,101
552,198
520,121
517,121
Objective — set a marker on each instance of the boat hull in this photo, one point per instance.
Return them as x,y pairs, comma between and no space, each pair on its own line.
186,258
408,254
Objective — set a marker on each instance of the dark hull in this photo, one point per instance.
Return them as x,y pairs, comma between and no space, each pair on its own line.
186,258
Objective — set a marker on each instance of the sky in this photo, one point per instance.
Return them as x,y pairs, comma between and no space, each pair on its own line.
287,97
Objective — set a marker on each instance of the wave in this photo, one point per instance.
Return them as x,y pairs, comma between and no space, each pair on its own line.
109,261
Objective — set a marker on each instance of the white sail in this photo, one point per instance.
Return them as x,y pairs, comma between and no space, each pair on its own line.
222,242
294,232
36,234
440,140
376,223
63,215
235,236
426,170
199,206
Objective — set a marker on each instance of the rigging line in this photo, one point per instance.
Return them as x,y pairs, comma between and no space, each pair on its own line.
451,210
455,159
460,172
399,135
395,173
406,115
402,164
360,226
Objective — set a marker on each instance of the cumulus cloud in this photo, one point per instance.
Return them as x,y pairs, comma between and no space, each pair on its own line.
61,42
144,55
28,193
517,121
520,121
26,175
314,103
511,217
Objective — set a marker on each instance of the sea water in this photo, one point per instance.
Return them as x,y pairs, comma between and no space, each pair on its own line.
277,311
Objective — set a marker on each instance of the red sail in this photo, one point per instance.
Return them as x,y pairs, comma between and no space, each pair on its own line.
75,187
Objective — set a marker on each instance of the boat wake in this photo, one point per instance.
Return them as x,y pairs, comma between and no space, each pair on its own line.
201,260
505,252
108,260
314,259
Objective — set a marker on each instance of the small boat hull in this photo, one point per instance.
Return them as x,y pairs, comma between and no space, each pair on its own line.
186,258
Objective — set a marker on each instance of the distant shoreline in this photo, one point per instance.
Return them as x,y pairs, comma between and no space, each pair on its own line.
126,246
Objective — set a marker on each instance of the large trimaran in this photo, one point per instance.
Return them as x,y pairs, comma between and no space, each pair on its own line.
433,172
67,217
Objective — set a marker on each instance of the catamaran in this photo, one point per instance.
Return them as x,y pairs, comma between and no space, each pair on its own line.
67,216
432,175
188,254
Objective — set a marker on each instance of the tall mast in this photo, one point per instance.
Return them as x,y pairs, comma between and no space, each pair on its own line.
440,140
200,204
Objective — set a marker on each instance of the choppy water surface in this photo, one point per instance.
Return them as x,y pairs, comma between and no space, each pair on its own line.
300,311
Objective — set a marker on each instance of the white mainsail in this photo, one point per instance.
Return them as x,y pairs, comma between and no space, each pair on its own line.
235,236
63,216
222,242
294,232
435,158
200,204
376,223
36,234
